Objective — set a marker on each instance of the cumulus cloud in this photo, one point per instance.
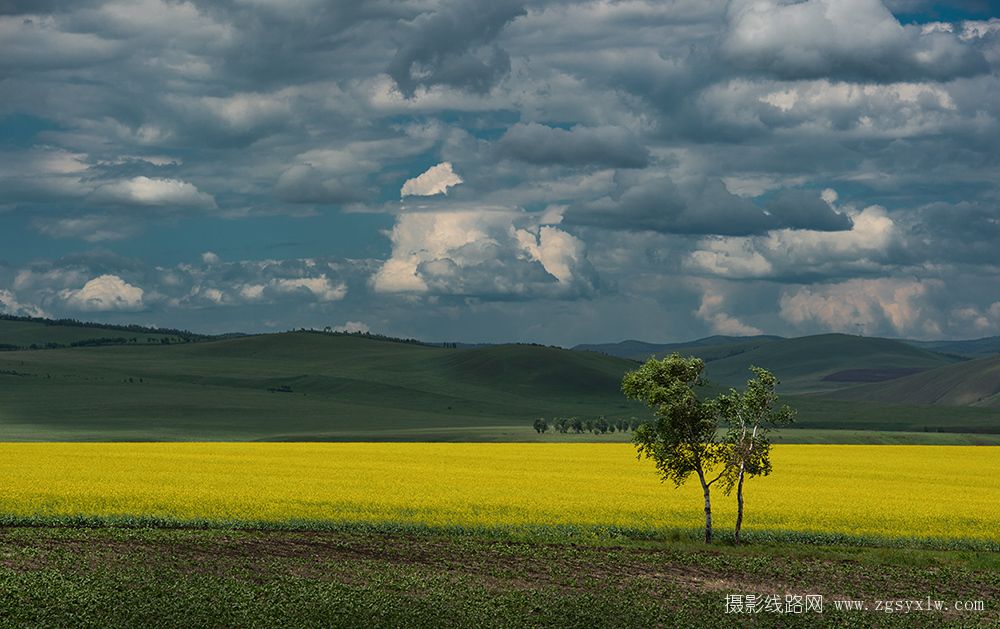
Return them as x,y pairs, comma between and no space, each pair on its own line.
494,254
854,40
538,144
712,311
107,292
11,306
144,191
436,180
321,288
893,306
978,320
869,246
244,283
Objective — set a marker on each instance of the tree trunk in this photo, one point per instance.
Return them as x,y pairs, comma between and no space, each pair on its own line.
739,506
708,513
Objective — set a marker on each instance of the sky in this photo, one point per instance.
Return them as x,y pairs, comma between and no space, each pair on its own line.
508,171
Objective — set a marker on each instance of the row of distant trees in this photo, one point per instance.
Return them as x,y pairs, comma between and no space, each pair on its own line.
103,341
185,335
598,426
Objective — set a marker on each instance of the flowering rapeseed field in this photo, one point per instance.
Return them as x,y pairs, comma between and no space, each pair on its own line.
904,491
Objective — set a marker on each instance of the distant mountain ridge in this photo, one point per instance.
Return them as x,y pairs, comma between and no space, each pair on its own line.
810,365
974,348
636,349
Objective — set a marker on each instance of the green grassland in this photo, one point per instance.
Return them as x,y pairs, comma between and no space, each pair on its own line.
302,386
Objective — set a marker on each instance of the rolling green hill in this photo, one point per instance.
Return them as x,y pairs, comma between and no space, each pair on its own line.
801,364
970,383
300,386
31,333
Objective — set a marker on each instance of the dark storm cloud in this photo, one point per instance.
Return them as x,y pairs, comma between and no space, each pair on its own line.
445,47
304,184
805,209
966,232
659,205
539,144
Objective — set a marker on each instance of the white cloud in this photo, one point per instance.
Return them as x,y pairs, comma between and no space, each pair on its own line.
485,253
321,287
249,282
730,257
45,173
152,192
352,327
865,247
978,321
104,293
973,29
896,306
436,180
848,39
10,305
712,311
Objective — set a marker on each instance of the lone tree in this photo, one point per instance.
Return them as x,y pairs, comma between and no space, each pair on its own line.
682,438
750,416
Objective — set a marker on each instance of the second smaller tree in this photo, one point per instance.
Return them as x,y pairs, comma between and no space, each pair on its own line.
750,415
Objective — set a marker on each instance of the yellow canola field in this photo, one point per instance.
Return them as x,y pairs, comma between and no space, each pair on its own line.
912,491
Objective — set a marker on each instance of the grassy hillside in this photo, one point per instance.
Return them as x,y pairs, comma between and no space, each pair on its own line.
971,383
827,414
300,385
802,363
